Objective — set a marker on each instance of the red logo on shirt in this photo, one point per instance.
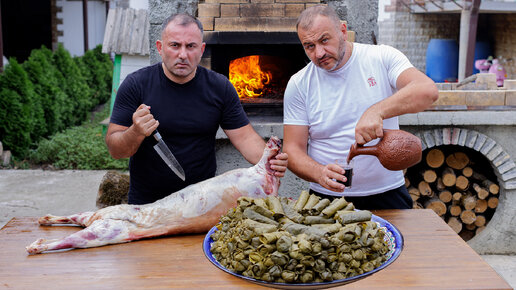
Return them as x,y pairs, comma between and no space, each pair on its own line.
371,81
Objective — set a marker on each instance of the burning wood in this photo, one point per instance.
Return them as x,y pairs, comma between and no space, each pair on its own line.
247,76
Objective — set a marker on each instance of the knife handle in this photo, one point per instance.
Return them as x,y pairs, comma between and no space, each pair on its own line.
156,135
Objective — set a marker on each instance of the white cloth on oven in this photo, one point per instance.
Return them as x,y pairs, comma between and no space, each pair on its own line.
331,103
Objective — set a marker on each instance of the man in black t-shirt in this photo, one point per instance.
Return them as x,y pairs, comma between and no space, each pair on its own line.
188,103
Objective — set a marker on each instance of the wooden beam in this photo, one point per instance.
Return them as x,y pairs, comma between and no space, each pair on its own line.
468,36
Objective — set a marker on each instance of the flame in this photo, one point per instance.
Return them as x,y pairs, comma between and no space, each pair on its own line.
247,77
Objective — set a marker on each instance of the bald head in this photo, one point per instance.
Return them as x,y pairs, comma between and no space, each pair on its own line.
306,18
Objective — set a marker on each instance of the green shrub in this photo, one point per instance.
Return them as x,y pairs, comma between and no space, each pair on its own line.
73,83
77,148
17,109
97,68
44,77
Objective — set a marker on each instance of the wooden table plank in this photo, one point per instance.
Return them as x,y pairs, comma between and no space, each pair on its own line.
433,257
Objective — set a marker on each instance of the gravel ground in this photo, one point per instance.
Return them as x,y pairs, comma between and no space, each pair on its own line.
64,192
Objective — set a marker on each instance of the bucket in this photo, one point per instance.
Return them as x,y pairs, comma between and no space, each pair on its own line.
482,51
442,60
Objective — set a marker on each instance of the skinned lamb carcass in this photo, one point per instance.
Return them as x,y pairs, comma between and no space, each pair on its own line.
194,209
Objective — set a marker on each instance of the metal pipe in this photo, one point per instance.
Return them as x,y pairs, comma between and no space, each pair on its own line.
85,23
1,42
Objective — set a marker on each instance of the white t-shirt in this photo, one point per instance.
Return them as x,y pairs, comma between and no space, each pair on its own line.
331,103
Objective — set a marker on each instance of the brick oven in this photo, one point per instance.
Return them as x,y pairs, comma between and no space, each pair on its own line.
255,45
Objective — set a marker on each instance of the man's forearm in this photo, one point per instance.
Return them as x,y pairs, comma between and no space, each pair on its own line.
123,143
304,166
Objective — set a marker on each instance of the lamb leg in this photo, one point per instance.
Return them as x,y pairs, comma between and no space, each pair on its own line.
76,219
99,233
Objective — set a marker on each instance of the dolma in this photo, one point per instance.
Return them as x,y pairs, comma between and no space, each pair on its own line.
312,201
284,243
250,213
301,201
335,205
275,206
269,238
347,217
291,212
257,227
322,204
310,220
307,277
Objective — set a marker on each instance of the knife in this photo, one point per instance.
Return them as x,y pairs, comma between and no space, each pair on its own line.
167,156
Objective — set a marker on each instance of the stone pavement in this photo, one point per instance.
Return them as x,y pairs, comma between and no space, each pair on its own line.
64,192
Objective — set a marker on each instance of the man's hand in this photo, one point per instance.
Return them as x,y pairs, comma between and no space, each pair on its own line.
143,121
279,164
369,127
329,176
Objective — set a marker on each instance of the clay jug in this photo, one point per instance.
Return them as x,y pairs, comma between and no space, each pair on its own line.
397,150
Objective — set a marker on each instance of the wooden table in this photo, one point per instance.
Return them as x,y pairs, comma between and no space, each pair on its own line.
433,257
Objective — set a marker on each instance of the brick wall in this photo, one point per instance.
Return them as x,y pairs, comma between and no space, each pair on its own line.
502,28
251,15
410,33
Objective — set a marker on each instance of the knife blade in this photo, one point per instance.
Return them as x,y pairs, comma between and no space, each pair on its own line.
167,156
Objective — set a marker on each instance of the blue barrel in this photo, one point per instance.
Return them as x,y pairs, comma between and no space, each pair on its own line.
482,51
442,60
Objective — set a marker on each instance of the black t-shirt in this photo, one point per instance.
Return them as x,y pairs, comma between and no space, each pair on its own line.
189,116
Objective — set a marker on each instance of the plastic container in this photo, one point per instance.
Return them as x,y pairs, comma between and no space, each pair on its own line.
442,60
482,51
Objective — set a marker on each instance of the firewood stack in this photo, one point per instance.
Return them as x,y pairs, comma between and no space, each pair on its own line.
456,188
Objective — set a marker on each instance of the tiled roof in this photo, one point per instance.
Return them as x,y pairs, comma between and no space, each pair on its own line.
127,32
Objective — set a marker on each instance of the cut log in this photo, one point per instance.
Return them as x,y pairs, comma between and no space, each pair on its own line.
481,206
479,229
417,205
454,210
407,182
439,185
480,221
424,188
491,186
449,177
455,224
469,201
467,171
457,160
462,183
492,202
470,227
467,217
457,196
414,193
445,196
478,176
436,205
482,193
435,158
466,235
429,175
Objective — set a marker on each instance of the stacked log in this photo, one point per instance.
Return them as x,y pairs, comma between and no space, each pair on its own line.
455,186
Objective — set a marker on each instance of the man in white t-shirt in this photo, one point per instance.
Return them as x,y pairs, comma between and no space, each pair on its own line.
348,92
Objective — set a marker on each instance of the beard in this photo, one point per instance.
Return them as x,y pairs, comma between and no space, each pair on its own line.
340,56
